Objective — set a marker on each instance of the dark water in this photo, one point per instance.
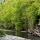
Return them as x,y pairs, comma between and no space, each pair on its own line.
21,34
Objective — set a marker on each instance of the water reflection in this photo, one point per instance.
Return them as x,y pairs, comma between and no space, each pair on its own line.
21,34
35,38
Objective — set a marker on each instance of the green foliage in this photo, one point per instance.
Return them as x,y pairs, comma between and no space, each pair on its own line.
21,13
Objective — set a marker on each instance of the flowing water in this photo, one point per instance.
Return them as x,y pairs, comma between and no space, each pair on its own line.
21,34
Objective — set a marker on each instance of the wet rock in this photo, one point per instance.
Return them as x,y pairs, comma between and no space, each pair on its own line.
36,33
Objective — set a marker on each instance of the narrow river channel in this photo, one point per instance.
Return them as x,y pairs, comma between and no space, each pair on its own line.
20,34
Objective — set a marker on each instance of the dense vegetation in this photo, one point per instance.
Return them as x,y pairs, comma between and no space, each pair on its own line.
19,14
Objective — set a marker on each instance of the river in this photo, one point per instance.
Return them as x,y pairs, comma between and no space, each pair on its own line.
21,34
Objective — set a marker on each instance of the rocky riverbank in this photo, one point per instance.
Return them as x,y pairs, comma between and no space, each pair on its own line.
34,32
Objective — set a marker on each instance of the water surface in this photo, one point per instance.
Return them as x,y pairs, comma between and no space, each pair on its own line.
21,34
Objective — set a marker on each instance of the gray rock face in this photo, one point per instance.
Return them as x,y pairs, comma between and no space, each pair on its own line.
10,37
